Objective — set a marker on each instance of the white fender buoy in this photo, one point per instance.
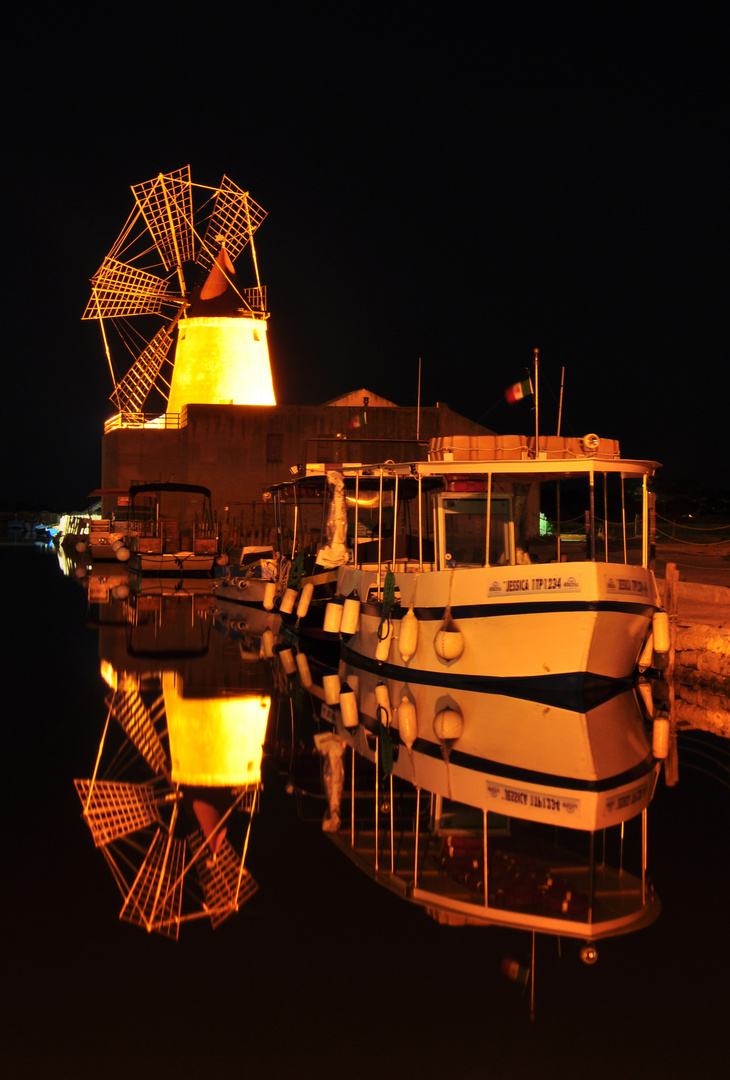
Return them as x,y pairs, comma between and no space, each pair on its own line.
305,675
287,661
382,649
304,600
333,616
408,728
660,737
331,688
448,726
383,698
350,616
120,592
407,722
660,630
287,601
449,640
222,559
80,547
647,653
123,554
348,707
408,637
646,696
116,545
267,644
269,595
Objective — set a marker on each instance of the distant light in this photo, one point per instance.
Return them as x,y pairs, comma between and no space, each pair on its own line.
545,526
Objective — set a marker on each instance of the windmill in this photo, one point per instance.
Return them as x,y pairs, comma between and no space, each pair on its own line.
174,849
180,240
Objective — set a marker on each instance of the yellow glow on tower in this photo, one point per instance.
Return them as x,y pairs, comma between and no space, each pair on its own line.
221,361
215,741
222,355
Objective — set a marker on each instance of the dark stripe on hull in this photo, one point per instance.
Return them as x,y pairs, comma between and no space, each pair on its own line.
529,776
578,690
488,611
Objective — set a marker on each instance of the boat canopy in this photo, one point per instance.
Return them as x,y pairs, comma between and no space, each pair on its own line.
151,489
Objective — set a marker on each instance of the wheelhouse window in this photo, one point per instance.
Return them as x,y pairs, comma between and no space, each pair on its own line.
464,521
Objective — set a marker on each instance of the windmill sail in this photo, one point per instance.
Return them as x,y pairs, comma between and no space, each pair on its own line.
226,884
166,203
131,393
234,220
155,898
119,290
113,810
137,721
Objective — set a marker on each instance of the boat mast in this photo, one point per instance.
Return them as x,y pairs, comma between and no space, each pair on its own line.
537,408
560,407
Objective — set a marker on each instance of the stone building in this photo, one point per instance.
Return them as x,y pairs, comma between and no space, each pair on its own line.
239,450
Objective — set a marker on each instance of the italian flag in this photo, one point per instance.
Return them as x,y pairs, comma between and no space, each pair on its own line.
518,391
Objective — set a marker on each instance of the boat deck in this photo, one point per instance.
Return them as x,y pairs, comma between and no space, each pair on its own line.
617,904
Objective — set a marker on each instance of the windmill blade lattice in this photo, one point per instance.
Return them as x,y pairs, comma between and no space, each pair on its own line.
166,204
234,220
132,392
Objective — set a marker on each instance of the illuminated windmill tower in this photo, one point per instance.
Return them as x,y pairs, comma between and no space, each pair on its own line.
173,267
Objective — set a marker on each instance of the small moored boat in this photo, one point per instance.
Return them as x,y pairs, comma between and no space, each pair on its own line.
171,529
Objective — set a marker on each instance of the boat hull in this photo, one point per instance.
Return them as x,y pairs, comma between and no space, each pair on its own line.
518,627
179,563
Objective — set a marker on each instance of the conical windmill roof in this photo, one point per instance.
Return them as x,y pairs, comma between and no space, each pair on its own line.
220,295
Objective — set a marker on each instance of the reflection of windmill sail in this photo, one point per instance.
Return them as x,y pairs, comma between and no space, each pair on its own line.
138,722
155,898
113,810
226,884
131,393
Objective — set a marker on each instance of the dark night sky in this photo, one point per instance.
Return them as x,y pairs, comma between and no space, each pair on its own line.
461,188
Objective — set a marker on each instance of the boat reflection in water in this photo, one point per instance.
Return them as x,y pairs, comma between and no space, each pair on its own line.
485,809
175,786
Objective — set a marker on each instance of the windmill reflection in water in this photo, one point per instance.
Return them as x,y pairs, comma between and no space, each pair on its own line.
177,777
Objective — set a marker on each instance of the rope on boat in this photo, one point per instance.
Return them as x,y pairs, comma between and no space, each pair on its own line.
388,604
385,743
295,574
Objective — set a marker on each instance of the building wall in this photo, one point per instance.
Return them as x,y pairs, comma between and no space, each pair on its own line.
239,450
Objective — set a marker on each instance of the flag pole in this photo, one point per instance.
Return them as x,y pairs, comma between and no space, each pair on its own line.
418,411
537,409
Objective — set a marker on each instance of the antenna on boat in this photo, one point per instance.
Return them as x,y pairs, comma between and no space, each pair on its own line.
537,408
560,406
418,409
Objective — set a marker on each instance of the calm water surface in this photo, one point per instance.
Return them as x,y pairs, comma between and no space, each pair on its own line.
322,973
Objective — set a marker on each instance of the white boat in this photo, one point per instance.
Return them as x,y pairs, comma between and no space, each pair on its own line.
468,574
255,581
171,529
485,810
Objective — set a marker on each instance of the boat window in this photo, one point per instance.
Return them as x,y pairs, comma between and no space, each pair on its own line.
464,530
